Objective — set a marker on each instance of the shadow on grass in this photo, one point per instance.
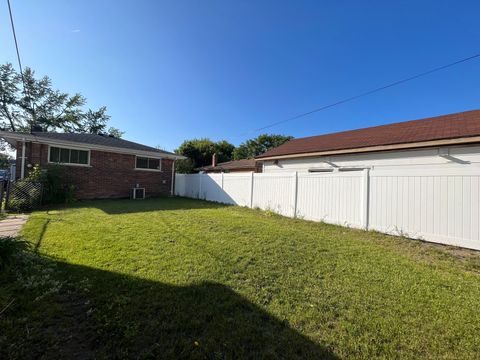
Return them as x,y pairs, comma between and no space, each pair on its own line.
38,243
122,316
127,206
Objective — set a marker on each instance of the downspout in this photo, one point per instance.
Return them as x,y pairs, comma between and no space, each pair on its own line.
22,170
173,178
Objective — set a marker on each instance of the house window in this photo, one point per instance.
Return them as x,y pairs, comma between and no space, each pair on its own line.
148,163
68,156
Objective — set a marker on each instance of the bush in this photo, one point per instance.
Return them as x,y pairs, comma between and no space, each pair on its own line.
42,186
25,195
10,248
56,187
19,205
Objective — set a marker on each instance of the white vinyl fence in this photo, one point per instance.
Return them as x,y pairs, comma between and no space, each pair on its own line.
436,205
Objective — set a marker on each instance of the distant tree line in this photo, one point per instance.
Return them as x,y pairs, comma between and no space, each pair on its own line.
200,151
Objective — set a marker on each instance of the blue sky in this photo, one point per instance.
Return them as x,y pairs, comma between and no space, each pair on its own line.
175,70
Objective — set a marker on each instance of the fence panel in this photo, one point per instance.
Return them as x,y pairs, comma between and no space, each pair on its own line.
180,189
274,192
192,186
23,195
225,188
441,206
334,198
236,189
211,188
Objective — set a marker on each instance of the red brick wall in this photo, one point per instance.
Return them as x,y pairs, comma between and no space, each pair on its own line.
34,154
110,175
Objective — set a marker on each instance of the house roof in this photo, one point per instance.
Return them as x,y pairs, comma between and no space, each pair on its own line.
97,139
409,134
231,165
91,141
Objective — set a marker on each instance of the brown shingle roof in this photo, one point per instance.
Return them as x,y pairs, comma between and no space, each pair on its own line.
96,139
459,125
231,165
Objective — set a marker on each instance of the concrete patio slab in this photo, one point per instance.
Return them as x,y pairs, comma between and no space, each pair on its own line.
12,225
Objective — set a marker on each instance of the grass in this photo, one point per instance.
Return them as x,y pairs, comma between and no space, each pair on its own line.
180,278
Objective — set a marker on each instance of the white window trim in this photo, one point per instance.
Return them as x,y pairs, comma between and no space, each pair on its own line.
68,164
148,157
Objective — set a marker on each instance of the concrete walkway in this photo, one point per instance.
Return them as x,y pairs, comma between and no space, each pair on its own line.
12,225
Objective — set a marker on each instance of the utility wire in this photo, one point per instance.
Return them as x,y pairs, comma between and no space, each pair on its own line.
20,61
370,92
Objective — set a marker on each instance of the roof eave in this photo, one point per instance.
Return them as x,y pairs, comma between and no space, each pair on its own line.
9,136
403,146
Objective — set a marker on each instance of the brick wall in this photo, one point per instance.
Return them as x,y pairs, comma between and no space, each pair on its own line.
110,175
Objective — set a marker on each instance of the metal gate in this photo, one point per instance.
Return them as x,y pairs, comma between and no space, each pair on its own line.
20,195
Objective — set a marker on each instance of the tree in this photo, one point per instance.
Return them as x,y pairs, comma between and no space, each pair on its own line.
186,166
200,151
224,151
95,122
5,161
42,105
115,132
254,147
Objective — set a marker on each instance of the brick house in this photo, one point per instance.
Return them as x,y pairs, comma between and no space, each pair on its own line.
99,166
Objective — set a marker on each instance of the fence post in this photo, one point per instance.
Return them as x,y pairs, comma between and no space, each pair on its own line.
295,193
251,189
3,184
364,211
7,196
200,186
222,180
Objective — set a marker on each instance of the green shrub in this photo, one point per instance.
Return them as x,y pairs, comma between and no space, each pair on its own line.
42,186
25,195
36,174
57,189
19,205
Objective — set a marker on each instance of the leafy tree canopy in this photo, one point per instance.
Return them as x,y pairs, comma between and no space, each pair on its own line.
200,152
5,161
42,105
254,147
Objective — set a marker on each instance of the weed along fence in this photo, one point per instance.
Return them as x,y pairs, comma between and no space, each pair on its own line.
436,205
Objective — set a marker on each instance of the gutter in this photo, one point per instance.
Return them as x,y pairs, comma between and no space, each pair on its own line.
22,170
172,186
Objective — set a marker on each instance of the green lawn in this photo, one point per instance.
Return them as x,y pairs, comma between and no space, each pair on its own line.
180,278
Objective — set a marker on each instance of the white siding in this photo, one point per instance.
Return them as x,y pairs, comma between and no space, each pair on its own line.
459,157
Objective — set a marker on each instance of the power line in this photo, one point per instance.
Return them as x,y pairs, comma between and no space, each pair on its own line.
15,39
19,60
370,92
